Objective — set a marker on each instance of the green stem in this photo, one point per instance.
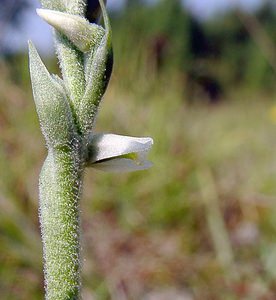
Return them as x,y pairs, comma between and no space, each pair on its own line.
65,129
60,188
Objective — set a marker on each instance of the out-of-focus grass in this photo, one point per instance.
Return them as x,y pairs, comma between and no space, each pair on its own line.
163,231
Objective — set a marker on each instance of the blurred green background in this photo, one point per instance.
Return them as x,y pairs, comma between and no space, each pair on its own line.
200,224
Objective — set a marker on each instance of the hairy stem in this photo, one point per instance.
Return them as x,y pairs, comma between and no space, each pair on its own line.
60,188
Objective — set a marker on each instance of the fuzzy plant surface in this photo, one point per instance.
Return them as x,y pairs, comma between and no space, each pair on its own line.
67,108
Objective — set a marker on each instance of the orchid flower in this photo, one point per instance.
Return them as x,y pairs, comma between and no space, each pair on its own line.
79,31
67,109
118,153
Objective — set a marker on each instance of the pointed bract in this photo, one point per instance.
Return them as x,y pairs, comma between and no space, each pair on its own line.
51,104
98,69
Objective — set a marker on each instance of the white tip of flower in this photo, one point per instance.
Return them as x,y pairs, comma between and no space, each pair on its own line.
118,153
79,31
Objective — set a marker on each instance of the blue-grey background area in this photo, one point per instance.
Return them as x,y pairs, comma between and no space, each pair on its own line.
33,28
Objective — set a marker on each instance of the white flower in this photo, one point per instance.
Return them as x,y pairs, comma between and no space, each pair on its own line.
118,153
79,31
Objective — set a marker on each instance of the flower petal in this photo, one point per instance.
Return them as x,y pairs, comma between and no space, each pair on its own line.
121,165
106,146
118,153
79,31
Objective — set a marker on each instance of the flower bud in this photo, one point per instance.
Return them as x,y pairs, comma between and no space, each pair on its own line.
77,29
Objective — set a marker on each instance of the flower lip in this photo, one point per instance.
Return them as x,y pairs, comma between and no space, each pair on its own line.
117,153
107,146
121,165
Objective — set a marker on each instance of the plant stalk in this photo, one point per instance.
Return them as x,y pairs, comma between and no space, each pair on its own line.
60,189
